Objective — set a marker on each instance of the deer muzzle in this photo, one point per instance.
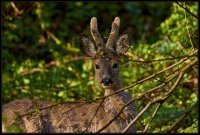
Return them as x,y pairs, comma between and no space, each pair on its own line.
106,81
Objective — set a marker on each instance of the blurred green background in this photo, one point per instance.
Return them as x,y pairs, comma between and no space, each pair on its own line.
41,58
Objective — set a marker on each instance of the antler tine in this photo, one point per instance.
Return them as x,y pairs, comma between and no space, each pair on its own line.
114,33
95,34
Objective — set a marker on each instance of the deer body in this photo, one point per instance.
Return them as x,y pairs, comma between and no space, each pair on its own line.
83,117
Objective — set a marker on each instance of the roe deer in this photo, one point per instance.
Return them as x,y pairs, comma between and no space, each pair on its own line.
88,117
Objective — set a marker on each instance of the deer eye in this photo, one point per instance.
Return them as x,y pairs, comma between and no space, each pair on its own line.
115,65
97,66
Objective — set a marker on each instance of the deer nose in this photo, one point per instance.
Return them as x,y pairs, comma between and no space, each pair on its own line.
106,81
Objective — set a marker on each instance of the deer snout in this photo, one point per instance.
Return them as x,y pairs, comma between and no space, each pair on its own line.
107,81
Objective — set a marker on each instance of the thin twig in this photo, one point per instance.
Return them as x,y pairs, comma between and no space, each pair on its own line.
181,118
149,77
106,125
153,116
166,96
94,114
138,82
188,33
187,10
141,112
53,63
148,91
151,61
17,11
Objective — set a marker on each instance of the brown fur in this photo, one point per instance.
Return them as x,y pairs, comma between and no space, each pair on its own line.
79,117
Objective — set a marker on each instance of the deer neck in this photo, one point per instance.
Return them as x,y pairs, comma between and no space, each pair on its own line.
115,102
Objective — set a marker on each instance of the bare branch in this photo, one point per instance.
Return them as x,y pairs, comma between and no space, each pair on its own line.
182,117
148,91
51,64
143,80
95,113
153,116
167,95
188,33
120,111
151,76
159,100
187,10
134,120
17,11
130,58
138,82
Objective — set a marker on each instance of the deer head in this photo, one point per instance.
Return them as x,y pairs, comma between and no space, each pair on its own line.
106,57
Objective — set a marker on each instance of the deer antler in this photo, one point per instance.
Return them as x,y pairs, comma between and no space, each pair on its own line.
113,34
95,34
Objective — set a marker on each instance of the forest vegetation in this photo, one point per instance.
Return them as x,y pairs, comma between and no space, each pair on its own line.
41,57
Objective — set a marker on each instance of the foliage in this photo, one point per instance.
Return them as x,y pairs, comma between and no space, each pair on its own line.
11,128
192,129
41,58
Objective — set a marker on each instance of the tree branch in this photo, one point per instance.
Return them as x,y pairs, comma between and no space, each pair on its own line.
17,11
138,82
182,72
153,116
187,10
181,118
151,76
152,61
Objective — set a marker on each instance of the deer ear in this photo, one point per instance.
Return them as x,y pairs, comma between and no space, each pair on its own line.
87,46
122,44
